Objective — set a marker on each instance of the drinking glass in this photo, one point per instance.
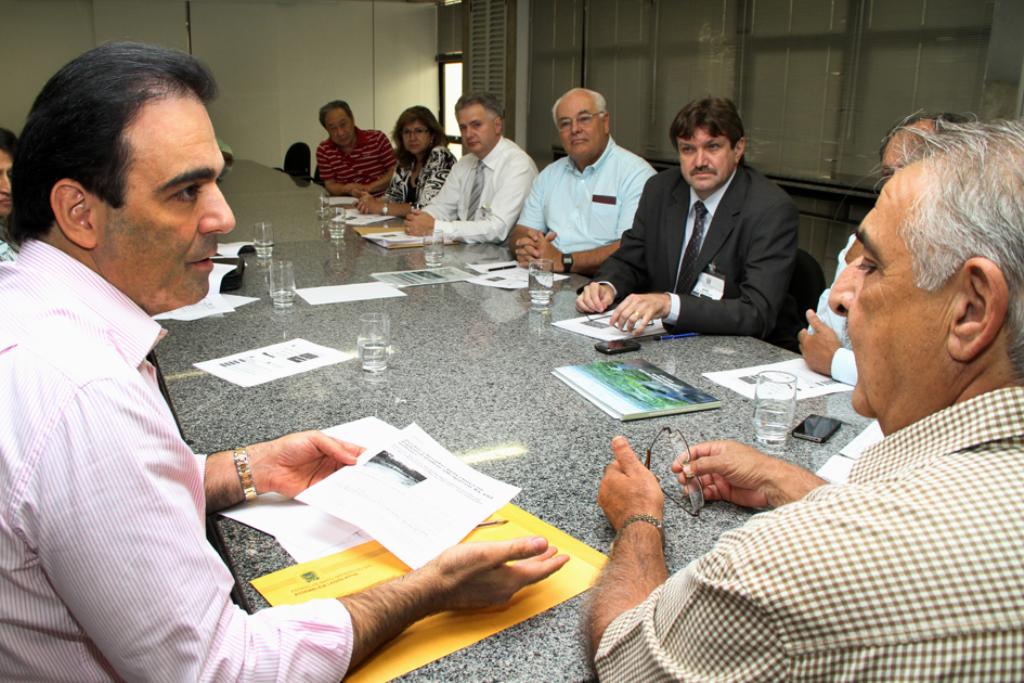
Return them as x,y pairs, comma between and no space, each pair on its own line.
372,342
433,249
542,280
263,239
774,406
282,283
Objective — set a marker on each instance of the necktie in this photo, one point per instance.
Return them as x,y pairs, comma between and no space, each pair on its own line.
151,357
478,189
700,215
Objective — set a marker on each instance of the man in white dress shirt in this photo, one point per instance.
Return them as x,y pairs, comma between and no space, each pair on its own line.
485,191
105,571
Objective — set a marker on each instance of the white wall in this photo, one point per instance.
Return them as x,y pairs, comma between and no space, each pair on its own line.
276,63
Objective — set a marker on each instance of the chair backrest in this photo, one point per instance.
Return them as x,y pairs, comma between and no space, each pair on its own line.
808,281
297,160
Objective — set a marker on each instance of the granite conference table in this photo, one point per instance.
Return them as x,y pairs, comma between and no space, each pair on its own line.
472,366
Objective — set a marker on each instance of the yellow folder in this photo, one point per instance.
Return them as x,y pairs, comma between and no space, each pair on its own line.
441,634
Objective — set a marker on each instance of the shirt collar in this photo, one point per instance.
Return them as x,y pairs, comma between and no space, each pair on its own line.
593,168
492,158
129,328
711,203
995,415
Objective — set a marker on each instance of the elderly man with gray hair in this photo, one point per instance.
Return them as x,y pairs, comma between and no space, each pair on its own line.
911,570
485,191
581,204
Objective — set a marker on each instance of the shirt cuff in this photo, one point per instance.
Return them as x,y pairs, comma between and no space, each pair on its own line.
844,366
673,311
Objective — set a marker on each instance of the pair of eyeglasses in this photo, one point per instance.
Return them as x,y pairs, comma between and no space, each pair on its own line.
583,120
415,131
666,446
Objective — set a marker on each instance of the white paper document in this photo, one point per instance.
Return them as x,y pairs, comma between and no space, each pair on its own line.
414,497
430,276
808,382
361,291
395,238
231,249
597,326
303,531
342,201
508,278
836,469
871,435
214,303
249,368
367,219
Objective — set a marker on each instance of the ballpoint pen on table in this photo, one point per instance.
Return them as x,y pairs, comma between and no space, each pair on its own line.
493,522
681,335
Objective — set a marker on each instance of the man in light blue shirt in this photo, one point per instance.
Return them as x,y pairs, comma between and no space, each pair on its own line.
581,204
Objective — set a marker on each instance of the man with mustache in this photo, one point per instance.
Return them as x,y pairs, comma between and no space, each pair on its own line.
713,244
580,205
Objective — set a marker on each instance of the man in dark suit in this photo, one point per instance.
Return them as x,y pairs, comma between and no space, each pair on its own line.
711,249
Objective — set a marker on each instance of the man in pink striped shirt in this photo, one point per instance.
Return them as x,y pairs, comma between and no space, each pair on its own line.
352,160
105,572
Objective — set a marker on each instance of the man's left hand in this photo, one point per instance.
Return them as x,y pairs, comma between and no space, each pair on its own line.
291,464
536,245
637,310
419,223
818,348
628,488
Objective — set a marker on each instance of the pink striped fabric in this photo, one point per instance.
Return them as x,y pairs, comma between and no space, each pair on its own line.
372,157
105,571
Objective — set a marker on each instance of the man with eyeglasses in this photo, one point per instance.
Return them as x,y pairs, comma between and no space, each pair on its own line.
352,160
580,205
713,243
911,570
824,344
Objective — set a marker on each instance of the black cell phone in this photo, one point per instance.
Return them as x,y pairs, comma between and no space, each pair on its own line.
817,428
617,346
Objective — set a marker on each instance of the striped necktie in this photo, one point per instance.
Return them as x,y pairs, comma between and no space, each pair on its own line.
689,262
478,190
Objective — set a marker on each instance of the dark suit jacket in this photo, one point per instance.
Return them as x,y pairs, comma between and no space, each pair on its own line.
752,242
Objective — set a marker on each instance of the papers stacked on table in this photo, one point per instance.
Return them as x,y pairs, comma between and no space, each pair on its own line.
214,303
249,368
597,326
427,276
808,382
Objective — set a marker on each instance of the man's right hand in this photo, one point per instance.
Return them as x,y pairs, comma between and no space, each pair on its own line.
818,348
595,298
478,575
739,474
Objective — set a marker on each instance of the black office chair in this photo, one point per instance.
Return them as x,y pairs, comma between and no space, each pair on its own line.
297,161
808,281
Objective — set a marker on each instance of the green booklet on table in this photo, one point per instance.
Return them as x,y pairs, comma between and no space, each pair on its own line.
634,389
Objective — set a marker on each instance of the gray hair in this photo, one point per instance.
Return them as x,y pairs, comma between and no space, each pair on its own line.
484,99
600,104
972,205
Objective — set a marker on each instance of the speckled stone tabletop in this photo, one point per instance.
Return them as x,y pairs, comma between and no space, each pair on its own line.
472,366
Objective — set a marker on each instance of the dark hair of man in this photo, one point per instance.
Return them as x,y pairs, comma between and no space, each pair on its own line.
485,100
76,127
909,121
335,104
716,115
416,114
8,142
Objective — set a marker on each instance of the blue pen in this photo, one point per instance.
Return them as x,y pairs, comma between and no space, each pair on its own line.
681,335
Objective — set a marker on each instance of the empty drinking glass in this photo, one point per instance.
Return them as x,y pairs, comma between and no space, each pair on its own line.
774,405
433,249
282,283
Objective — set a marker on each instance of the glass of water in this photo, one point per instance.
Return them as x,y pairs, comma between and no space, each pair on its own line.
282,283
263,239
372,342
433,249
774,406
542,281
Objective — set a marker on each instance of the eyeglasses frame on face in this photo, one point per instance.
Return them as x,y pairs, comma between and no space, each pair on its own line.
695,504
583,119
414,131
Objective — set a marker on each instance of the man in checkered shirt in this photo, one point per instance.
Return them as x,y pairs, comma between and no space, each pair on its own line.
915,568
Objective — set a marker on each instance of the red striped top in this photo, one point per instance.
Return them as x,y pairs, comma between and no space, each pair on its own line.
371,158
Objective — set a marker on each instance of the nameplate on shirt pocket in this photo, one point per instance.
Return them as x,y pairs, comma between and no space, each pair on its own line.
709,286
604,199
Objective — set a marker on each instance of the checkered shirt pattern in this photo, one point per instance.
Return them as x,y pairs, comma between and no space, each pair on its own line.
913,570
